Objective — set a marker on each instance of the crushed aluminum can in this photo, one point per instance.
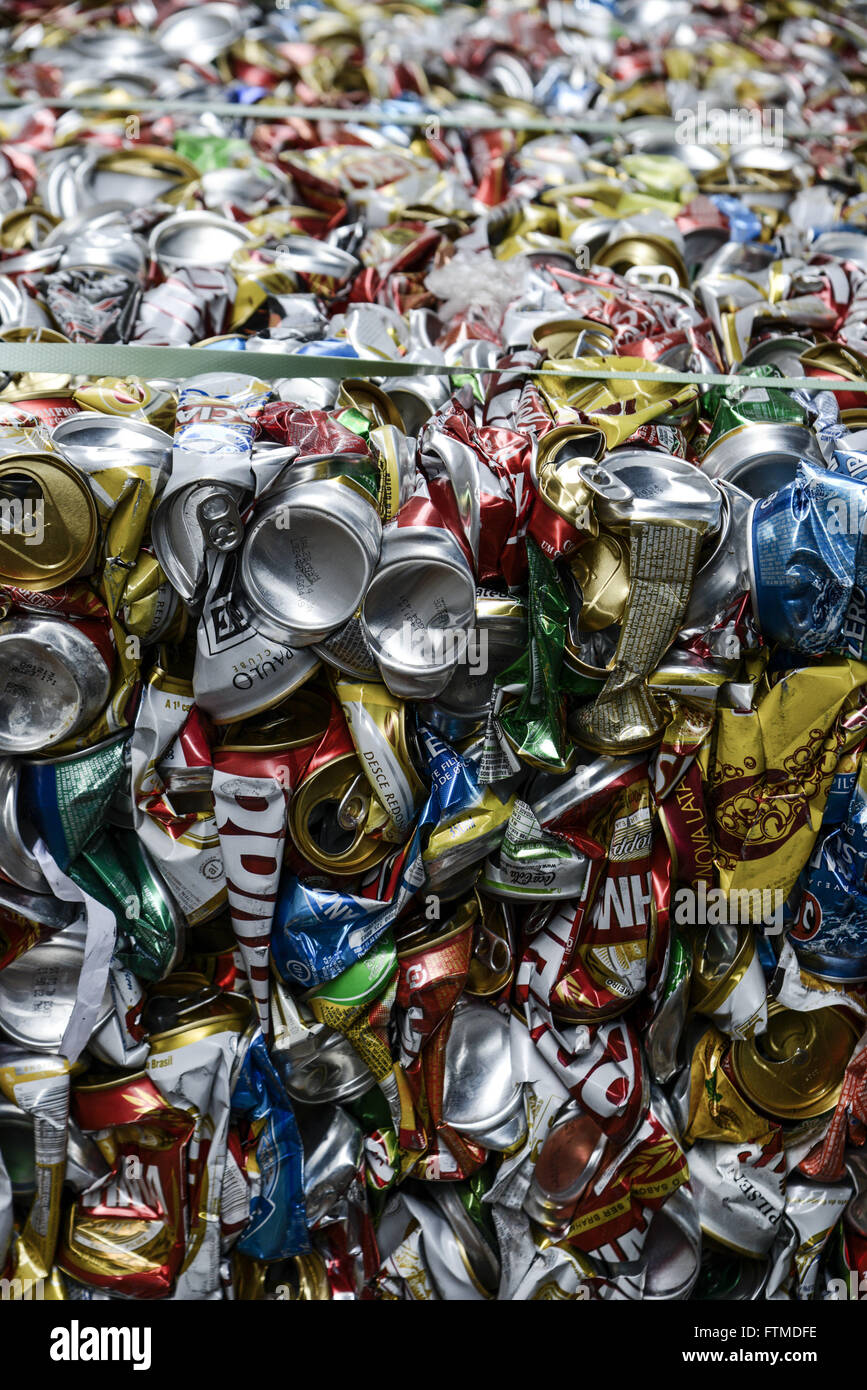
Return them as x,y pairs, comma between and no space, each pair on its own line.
416,399
84,1162
667,507
418,610
333,1143
140,175
48,521
761,457
806,570
237,672
496,639
92,437
828,931
568,1160
16,860
379,727
723,574
481,1100
333,816
728,983
307,256
310,548
197,518
794,1071
47,977
195,238
319,1066
672,1251
55,681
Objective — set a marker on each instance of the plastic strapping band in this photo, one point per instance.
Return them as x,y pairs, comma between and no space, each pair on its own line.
463,119
180,363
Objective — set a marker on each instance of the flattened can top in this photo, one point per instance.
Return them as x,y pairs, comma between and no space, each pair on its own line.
479,1090
202,31
48,521
82,438
196,238
795,1070
141,175
645,485
53,681
308,556
46,975
308,256
762,456
16,861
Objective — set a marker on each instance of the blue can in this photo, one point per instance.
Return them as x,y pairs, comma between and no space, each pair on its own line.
808,564
830,929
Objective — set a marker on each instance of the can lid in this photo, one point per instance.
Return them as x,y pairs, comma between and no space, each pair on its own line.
624,253
56,965
572,337
795,1070
328,816
48,521
645,485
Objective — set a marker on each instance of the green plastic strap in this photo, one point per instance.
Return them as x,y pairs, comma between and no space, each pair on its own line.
464,119
178,364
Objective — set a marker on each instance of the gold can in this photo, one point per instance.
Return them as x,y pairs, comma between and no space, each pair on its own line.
332,816
560,456
295,723
378,727
26,227
47,395
795,1070
839,363
572,338
128,396
48,521
371,401
719,963
644,251
728,983
492,964
152,609
415,933
24,333
601,569
185,1007
301,1278
305,1281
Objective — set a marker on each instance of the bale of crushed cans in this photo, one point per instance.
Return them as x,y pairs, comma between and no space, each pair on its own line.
433,819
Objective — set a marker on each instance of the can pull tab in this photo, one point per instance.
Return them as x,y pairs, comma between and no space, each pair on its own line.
590,343
347,817
603,483
491,950
220,521
652,275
